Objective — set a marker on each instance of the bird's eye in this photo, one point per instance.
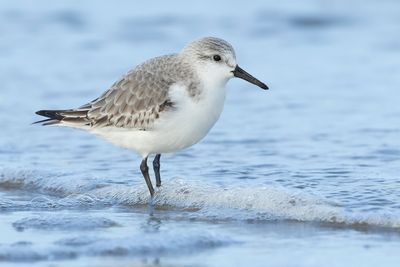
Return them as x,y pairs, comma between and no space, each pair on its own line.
217,57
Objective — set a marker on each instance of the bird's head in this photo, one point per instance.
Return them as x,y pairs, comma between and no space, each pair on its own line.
215,60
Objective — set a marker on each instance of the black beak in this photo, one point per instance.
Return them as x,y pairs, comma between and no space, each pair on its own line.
240,73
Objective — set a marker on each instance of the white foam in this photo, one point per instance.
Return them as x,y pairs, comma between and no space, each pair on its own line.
205,201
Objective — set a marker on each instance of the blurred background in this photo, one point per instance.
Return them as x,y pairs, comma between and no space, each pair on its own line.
308,169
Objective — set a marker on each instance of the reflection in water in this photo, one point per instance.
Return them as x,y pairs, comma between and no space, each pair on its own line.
152,224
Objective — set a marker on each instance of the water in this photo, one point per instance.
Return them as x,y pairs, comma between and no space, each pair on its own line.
306,174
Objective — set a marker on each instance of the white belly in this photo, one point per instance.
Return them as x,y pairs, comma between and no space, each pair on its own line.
174,130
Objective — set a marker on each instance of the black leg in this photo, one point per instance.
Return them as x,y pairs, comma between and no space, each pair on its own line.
145,172
156,166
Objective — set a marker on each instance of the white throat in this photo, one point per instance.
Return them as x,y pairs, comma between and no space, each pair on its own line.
213,79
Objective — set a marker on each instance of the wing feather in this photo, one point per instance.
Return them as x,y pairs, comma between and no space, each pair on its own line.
135,101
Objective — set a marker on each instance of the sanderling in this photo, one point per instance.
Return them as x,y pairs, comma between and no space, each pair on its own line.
163,105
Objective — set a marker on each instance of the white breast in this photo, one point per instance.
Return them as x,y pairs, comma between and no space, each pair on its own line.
193,117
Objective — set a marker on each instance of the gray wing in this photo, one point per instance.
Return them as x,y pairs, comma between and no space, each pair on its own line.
136,101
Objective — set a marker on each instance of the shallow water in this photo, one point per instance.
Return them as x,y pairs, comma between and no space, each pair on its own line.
308,169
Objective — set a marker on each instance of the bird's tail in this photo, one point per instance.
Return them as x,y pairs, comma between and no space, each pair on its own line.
76,117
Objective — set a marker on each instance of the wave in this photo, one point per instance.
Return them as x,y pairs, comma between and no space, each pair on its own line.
200,200
143,244
63,222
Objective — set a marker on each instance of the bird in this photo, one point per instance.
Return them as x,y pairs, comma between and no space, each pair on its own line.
163,105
